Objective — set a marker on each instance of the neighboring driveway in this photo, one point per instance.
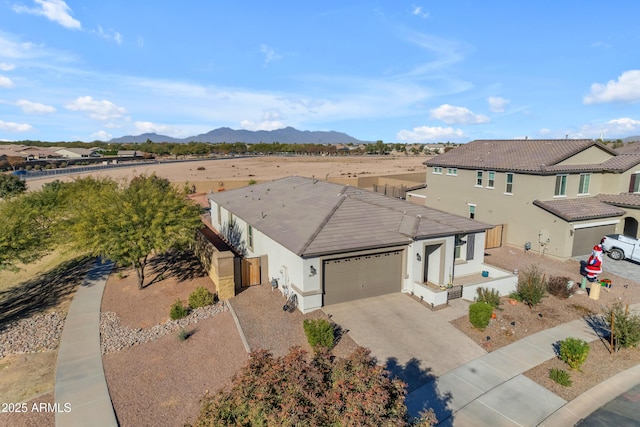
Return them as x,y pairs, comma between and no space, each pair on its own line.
415,343
627,269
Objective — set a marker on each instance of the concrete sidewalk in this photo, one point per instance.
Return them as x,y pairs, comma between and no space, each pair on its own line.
81,389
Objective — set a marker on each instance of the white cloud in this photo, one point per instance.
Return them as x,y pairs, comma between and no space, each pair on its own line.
417,11
101,136
626,89
460,115
54,10
623,125
98,110
6,82
149,127
263,125
35,107
269,54
497,104
425,134
108,35
544,131
15,127
6,67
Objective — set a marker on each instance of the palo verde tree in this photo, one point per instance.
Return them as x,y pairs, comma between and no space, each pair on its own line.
128,223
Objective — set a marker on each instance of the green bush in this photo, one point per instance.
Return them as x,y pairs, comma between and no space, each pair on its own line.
516,296
532,285
490,296
574,352
480,314
558,287
626,326
201,297
560,376
178,311
319,333
183,334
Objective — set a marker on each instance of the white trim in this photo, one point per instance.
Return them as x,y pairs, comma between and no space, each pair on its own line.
416,195
596,224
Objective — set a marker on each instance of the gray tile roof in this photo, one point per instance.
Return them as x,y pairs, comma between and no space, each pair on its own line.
579,209
535,156
625,200
312,217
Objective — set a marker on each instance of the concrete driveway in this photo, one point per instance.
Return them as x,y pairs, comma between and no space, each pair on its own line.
415,343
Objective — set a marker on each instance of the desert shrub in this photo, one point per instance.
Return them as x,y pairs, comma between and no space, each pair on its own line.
516,296
183,334
201,297
490,296
480,314
178,311
201,168
532,285
560,376
574,352
297,390
252,182
626,326
557,286
319,333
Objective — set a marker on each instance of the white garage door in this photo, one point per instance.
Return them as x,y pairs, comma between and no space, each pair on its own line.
352,278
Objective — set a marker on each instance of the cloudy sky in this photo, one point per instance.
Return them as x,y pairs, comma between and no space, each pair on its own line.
392,70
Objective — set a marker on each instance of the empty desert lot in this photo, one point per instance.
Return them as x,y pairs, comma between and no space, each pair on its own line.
236,171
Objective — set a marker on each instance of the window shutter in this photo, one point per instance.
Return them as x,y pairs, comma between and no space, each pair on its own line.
632,183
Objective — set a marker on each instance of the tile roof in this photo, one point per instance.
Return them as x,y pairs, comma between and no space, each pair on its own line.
625,200
579,209
312,217
537,156
629,148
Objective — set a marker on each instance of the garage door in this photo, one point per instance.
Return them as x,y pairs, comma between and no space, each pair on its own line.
585,239
352,278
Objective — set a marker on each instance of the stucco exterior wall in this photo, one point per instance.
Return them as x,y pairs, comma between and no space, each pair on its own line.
591,155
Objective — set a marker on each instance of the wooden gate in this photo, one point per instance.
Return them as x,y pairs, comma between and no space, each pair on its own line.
493,237
250,272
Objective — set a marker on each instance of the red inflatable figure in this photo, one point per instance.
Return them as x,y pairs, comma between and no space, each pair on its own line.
594,264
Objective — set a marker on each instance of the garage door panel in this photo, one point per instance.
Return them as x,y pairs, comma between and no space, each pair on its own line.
364,276
584,239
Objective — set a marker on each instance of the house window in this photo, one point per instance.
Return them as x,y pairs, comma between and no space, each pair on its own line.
457,249
437,170
509,187
250,237
492,179
478,178
472,211
452,171
634,184
219,215
584,183
561,185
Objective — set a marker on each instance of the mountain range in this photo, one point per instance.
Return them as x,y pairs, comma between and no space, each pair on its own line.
287,135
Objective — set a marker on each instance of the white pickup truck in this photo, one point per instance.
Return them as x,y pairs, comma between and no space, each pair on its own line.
621,247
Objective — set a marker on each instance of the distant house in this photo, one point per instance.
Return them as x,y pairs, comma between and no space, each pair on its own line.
127,153
557,197
77,153
329,243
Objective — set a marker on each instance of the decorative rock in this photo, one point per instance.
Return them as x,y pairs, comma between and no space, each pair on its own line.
37,333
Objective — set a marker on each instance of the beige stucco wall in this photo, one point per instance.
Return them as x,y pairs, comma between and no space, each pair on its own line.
590,156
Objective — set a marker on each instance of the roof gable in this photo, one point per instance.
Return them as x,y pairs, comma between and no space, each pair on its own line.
312,217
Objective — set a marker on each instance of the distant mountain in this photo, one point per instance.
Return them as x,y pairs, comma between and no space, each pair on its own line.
287,135
631,139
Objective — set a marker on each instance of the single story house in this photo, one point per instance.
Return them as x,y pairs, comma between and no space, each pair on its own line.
331,243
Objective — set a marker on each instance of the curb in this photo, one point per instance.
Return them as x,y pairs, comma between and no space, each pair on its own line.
240,331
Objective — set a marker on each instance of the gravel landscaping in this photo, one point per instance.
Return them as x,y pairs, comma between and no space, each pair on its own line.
37,333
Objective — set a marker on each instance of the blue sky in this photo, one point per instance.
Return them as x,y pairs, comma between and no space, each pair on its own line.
391,70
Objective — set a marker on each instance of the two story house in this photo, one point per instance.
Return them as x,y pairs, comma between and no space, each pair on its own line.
555,197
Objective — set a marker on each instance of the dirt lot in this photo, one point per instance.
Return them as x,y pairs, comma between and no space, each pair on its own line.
236,172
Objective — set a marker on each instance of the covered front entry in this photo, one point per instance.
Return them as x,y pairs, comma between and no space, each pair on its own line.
585,239
363,276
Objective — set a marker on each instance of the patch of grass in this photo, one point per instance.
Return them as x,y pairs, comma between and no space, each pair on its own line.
560,376
183,334
585,311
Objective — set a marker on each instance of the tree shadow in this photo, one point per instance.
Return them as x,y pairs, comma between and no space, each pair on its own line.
422,390
44,291
601,329
182,265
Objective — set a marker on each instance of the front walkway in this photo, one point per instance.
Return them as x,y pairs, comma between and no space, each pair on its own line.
81,390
